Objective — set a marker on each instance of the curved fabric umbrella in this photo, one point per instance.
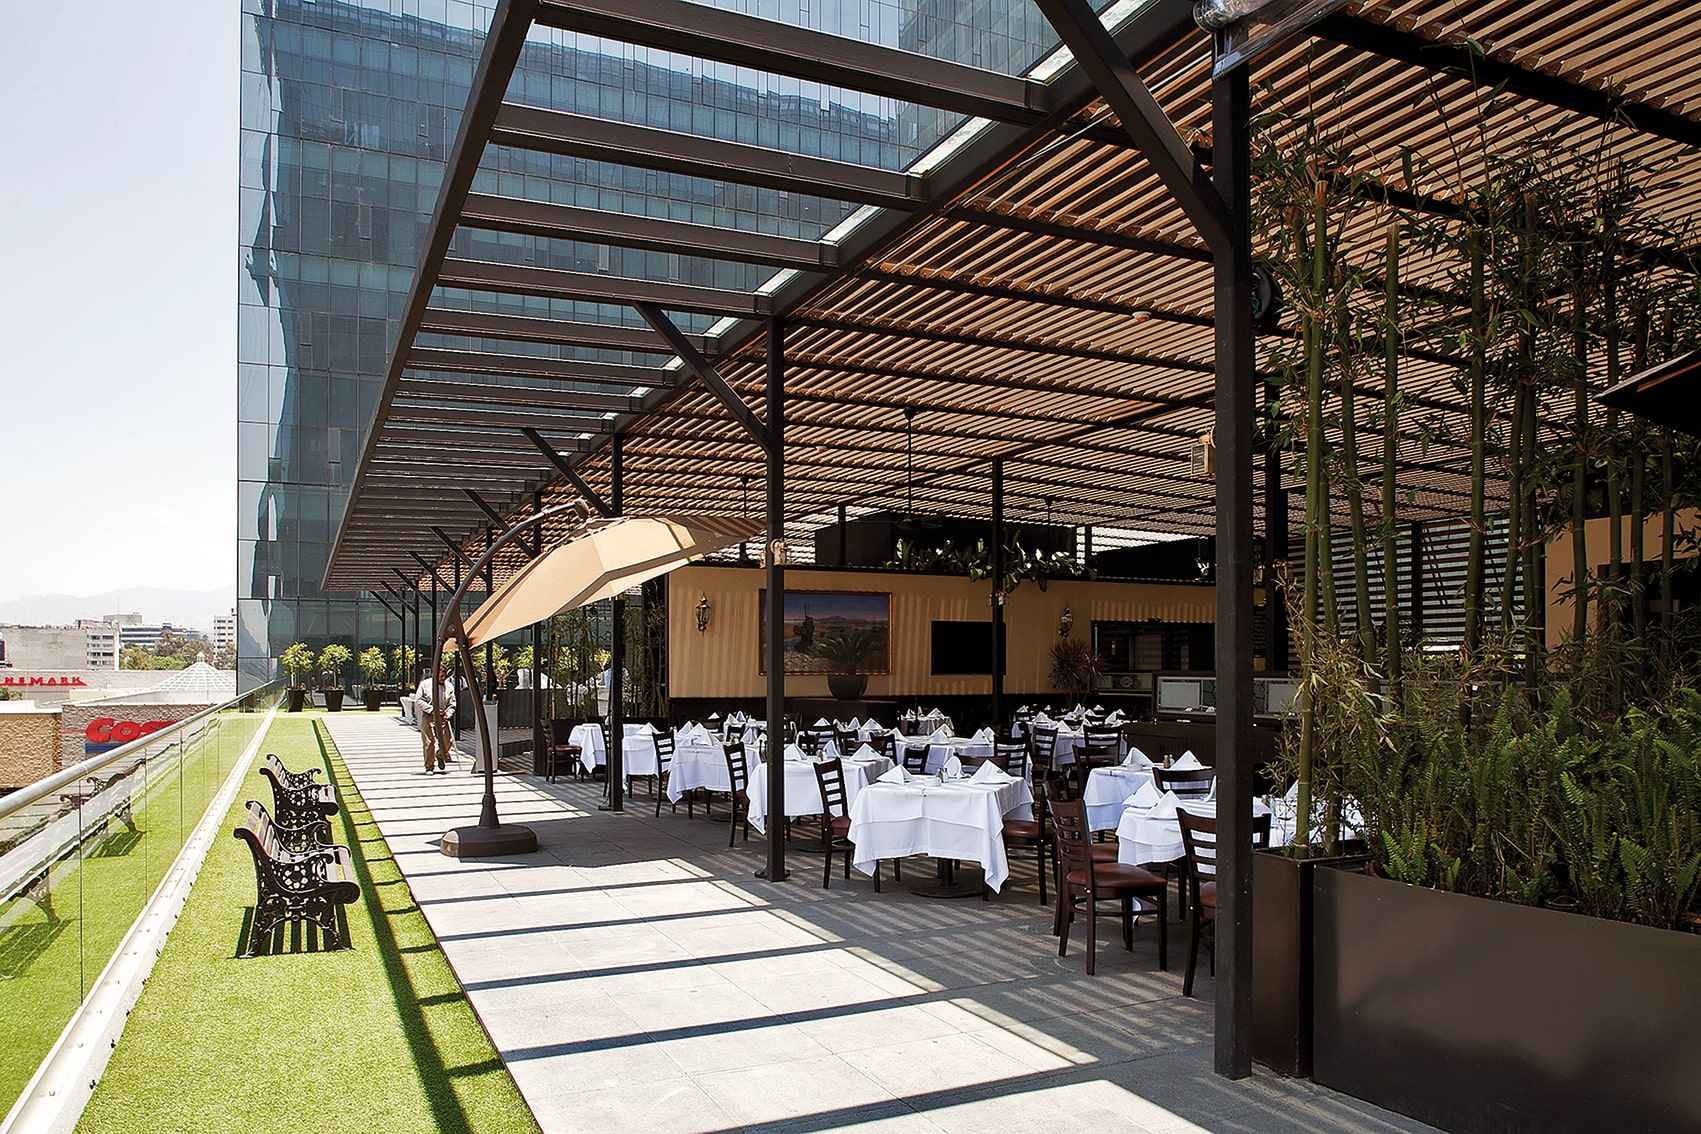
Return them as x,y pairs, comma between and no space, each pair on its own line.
1664,394
601,560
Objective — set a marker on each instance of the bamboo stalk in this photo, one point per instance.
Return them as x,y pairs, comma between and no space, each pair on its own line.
1366,632
1479,453
1316,503
1580,469
1638,489
1612,605
1390,453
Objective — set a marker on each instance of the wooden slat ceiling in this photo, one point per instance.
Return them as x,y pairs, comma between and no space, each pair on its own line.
1054,310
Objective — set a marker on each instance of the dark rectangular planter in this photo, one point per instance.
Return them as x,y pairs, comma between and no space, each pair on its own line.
1282,965
1475,1015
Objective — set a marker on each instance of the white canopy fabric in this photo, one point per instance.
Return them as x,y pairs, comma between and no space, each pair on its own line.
601,560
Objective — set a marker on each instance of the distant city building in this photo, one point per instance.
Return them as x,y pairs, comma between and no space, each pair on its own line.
148,636
87,645
224,631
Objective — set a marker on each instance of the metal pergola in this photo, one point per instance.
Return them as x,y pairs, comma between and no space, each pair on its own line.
1056,291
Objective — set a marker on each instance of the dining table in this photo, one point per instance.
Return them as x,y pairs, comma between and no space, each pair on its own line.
1108,789
803,791
637,749
950,820
941,749
1153,834
699,762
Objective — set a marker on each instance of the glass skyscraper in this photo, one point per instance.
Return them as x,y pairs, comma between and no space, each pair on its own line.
348,111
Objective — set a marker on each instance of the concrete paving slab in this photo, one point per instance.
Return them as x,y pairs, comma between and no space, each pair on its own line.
636,977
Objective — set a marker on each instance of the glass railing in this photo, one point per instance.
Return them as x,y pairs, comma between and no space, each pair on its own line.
83,851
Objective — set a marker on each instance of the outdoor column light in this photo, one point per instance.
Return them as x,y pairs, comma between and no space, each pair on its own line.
703,612
1065,622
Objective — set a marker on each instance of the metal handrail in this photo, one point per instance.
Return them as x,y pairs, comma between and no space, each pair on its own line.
16,801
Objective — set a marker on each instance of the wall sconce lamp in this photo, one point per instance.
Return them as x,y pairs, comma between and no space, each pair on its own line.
703,613
1065,622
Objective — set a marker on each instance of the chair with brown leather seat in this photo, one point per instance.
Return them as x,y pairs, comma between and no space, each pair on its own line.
1042,750
1085,883
1199,837
835,823
738,778
1186,783
1029,834
970,763
559,754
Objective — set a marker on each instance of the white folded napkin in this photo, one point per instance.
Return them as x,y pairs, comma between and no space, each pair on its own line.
1080,710
1145,797
953,768
939,734
1187,763
984,736
866,752
1259,807
853,723
894,775
830,750
823,723
989,773
1136,759
1165,807
1041,719
1292,796
793,752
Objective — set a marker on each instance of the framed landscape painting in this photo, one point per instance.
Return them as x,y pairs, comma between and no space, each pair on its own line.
815,617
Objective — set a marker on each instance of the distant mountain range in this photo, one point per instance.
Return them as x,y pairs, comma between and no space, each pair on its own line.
194,609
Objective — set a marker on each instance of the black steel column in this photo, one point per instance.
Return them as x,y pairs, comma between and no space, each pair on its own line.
776,582
1236,408
538,699
843,519
616,655
1414,606
998,594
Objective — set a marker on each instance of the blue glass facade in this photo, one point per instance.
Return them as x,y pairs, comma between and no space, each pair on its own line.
348,111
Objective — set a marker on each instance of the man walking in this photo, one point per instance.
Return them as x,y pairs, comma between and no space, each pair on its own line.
434,706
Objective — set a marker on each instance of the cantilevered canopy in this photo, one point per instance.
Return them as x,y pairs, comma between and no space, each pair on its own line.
604,558
1667,394
1029,286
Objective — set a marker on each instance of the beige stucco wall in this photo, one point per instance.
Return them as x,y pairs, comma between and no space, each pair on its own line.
29,746
1596,534
724,662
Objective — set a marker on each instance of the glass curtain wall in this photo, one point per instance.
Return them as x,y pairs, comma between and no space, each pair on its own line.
348,113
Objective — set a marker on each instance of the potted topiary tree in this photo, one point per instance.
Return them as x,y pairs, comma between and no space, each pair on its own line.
332,659
297,661
847,653
372,667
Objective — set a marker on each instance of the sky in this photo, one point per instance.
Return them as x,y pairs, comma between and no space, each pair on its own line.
118,192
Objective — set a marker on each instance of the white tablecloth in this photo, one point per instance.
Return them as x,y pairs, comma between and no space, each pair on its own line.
938,751
1143,836
803,791
638,749
697,764
1106,790
961,819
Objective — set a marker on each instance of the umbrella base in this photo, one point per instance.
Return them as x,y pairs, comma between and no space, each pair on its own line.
489,842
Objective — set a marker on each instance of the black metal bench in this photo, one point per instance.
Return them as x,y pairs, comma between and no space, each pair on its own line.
100,784
299,804
296,886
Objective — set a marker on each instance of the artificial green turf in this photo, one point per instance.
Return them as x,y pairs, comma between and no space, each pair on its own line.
50,957
377,1037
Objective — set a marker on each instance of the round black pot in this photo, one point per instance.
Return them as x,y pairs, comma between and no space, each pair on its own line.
847,686
297,699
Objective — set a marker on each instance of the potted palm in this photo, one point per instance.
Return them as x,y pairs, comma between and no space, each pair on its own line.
1074,668
372,667
332,659
297,661
847,653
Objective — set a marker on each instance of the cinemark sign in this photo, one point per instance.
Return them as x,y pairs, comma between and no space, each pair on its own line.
26,682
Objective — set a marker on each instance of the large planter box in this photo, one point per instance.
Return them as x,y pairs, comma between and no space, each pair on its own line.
1475,1015
1282,935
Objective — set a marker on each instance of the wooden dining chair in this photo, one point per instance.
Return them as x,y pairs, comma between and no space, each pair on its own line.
1186,783
846,739
1029,834
664,771
1103,736
1042,750
1199,837
1014,753
835,823
1084,884
915,759
559,754
738,779
885,742
811,741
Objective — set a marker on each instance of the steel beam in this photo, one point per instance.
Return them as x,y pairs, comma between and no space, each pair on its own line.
706,373
651,234
562,466
530,329
818,57
545,397
1153,134
668,151
494,418
478,362
553,283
